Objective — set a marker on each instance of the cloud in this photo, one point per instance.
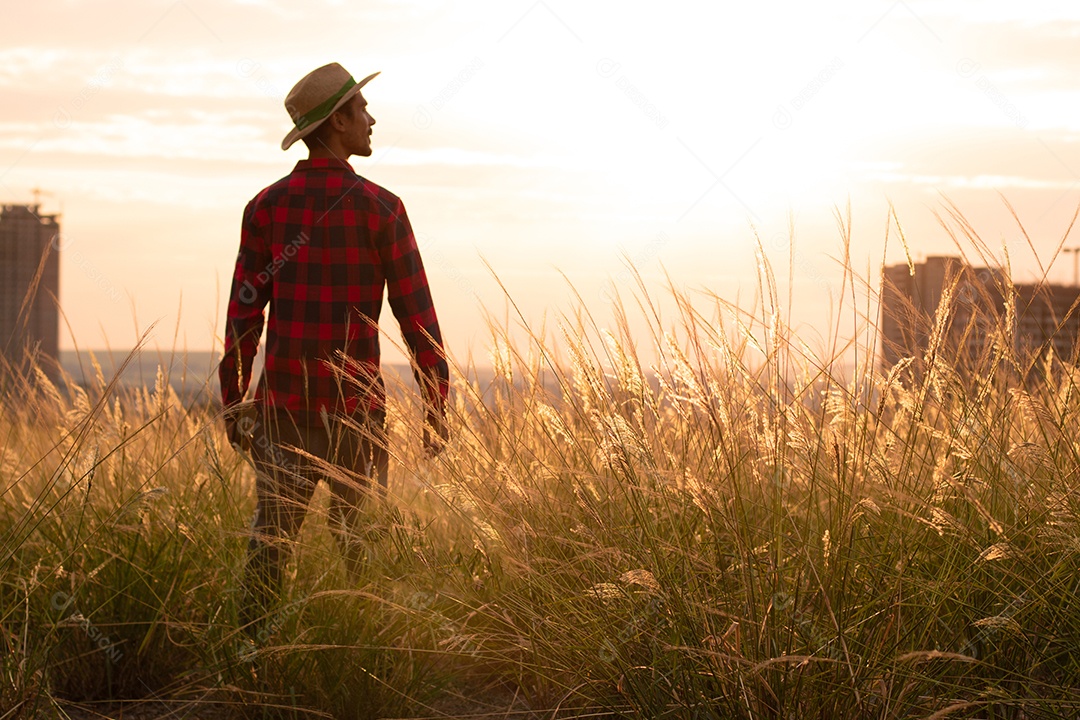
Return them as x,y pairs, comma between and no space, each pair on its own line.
952,152
150,135
1029,56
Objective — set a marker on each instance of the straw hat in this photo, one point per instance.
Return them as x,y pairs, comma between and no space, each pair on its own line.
317,96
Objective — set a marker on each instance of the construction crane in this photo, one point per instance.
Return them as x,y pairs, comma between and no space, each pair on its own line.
1076,264
37,193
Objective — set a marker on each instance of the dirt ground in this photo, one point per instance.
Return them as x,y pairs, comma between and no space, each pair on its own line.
501,707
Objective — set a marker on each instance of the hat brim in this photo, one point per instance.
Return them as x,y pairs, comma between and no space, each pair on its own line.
296,134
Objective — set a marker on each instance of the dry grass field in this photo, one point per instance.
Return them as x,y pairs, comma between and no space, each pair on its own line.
737,529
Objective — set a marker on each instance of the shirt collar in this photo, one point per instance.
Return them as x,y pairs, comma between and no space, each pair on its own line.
323,164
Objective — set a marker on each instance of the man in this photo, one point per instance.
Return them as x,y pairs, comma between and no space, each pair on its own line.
320,246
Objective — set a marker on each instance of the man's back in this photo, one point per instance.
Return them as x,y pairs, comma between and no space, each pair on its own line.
319,246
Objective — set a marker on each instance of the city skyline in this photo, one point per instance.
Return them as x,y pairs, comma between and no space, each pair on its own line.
545,140
984,307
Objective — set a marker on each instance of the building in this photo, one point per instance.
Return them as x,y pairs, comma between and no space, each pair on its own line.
1045,315
29,263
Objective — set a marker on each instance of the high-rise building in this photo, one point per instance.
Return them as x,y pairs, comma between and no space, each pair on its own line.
1046,316
29,281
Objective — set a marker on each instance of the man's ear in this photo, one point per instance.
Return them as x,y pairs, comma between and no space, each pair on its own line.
337,120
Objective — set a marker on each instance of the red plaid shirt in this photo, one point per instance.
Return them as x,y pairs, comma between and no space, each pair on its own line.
320,245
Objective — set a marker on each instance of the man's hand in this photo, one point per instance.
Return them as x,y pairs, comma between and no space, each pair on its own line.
435,434
238,427
232,431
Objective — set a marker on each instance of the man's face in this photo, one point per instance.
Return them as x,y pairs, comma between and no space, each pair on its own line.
358,129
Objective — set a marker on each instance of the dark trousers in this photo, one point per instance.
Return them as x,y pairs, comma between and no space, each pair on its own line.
350,454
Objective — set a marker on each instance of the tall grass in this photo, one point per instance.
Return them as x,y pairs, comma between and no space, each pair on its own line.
742,528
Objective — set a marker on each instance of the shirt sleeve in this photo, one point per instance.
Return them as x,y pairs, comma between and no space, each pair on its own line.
410,300
252,287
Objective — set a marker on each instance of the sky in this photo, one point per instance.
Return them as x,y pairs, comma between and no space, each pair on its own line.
548,143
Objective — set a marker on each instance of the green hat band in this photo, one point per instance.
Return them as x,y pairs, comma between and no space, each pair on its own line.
320,111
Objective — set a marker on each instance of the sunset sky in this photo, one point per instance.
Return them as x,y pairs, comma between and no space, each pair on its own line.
543,136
